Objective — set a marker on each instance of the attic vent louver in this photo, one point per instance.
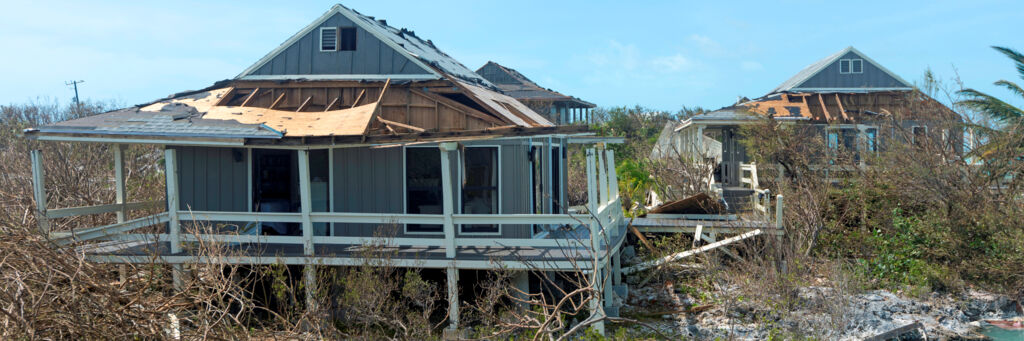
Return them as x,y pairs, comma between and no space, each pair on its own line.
328,39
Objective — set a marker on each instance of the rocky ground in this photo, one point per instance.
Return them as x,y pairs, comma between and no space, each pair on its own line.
816,312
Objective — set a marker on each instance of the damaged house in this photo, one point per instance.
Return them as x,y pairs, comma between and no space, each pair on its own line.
349,130
856,104
556,107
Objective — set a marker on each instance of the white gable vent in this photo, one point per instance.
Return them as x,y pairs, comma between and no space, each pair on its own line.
328,39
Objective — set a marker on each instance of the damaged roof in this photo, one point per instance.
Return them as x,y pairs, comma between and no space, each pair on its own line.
516,85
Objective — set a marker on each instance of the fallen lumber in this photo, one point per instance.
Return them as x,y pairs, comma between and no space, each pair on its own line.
689,253
896,333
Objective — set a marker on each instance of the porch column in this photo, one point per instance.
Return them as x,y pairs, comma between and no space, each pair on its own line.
545,156
779,234
119,196
39,191
453,297
602,177
447,196
306,207
171,174
592,205
521,280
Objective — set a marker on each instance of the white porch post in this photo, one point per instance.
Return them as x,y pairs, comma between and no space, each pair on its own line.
448,204
119,196
306,207
547,196
453,297
39,191
602,177
592,206
171,173
779,234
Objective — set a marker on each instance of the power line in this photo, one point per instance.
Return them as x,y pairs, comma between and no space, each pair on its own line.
75,85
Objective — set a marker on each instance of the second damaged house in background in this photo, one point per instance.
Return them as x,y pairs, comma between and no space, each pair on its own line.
853,103
350,130
556,107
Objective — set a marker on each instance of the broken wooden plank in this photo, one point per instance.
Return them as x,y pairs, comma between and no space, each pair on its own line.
841,110
277,101
402,125
304,104
358,98
639,235
689,253
250,97
335,101
896,333
828,118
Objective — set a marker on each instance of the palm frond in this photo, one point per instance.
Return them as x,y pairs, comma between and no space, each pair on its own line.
1016,56
991,106
1013,87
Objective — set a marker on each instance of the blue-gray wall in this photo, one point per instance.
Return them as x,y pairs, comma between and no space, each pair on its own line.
210,179
370,57
872,77
365,180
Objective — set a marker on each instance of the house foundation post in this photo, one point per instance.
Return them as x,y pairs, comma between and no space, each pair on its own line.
453,298
306,207
39,191
173,224
521,280
447,195
780,234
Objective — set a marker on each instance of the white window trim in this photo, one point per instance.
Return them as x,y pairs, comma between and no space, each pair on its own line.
849,62
461,169
337,32
913,137
405,193
859,61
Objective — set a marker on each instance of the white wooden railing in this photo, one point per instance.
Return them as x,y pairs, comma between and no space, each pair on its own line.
603,218
761,199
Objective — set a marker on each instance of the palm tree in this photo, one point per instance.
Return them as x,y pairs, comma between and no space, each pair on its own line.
995,108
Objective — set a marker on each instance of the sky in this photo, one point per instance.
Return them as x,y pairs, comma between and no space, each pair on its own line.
659,54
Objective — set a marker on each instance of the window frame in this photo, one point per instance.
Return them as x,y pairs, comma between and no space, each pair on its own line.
337,32
405,191
913,135
849,66
498,191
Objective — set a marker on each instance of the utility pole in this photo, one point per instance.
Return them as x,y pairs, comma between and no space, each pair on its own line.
75,85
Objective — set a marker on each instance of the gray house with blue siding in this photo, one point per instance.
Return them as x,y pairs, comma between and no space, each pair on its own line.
858,107
354,133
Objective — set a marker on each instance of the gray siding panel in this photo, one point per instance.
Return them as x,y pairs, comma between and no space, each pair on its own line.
209,179
370,57
872,77
366,180
515,196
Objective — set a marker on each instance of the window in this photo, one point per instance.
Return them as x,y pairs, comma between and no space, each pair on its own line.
917,134
348,39
423,186
848,66
871,140
328,39
480,186
832,141
556,178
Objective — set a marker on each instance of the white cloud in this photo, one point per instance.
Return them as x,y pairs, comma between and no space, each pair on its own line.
673,63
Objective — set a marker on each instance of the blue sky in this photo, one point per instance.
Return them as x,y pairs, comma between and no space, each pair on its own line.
660,54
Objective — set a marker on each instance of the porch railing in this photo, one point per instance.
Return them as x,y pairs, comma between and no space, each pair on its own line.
602,219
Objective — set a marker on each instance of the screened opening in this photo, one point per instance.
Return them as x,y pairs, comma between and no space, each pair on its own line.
844,66
556,179
480,186
328,39
319,187
276,188
423,185
856,66
348,39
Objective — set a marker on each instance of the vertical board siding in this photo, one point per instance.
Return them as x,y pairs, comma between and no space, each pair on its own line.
367,181
515,196
872,77
370,57
209,179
